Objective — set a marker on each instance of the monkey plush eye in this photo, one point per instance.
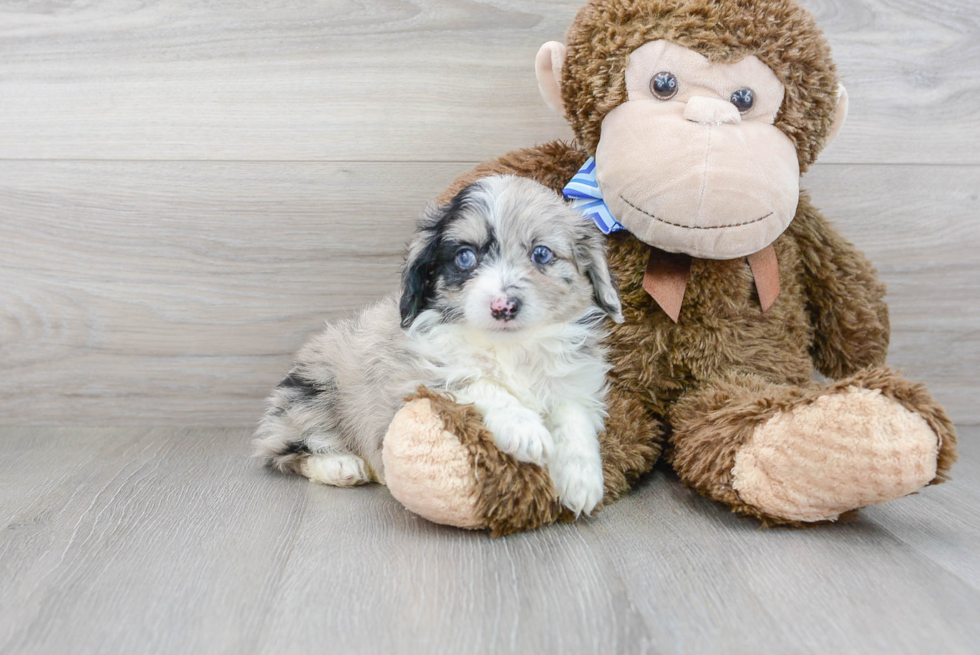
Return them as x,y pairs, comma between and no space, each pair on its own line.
743,99
466,259
542,255
664,85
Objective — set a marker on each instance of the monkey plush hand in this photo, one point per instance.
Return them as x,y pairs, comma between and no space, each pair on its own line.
694,120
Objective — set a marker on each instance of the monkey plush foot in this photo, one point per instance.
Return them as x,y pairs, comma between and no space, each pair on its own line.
789,455
428,470
840,452
441,463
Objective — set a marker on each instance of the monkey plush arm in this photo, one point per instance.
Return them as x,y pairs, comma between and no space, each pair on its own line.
849,317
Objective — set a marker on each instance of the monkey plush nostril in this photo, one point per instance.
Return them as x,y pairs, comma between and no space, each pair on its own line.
711,111
504,309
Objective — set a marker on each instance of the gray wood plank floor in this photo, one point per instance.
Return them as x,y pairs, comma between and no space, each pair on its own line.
170,540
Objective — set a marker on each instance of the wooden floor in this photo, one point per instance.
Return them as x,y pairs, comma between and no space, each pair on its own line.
138,541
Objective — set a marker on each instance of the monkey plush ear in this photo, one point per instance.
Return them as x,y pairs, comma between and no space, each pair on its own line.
548,66
840,115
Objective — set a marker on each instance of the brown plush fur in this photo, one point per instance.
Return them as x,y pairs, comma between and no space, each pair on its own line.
631,443
705,383
829,315
712,423
510,496
515,497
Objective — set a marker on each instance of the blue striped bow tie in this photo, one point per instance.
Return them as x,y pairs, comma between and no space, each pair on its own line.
586,197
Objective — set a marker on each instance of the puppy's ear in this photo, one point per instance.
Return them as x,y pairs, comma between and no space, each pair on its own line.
420,264
593,254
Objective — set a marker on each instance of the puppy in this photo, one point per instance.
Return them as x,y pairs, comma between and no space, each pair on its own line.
503,301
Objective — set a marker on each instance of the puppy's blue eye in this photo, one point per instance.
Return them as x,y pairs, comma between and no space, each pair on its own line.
542,255
466,258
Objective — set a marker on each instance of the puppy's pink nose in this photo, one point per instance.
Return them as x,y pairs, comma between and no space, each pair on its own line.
504,309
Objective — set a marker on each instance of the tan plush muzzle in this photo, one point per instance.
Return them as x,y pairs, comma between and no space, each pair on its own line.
699,180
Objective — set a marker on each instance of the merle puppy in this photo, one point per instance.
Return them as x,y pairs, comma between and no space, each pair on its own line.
504,298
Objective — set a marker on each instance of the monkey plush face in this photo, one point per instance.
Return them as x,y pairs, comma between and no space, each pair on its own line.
699,137
692,162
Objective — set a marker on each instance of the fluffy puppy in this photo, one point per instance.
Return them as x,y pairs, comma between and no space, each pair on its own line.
504,296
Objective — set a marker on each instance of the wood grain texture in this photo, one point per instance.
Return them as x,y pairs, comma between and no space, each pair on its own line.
406,80
170,293
138,541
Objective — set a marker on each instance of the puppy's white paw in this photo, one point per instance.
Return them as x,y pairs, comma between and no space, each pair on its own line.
578,481
522,435
336,469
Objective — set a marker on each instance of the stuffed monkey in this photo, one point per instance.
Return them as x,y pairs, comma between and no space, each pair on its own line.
694,120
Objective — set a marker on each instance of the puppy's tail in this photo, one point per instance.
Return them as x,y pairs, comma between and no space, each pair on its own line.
281,454
298,407
279,442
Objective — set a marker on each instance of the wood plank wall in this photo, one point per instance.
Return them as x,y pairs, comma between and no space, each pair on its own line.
188,189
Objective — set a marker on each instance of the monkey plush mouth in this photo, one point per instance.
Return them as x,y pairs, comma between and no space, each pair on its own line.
693,227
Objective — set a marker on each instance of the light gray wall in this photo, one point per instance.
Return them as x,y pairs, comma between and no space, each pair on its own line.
187,190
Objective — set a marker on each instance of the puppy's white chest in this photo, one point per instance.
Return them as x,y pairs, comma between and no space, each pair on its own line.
541,372
540,380
522,381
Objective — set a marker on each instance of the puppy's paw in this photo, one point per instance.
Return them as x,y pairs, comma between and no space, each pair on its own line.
336,469
522,435
578,481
